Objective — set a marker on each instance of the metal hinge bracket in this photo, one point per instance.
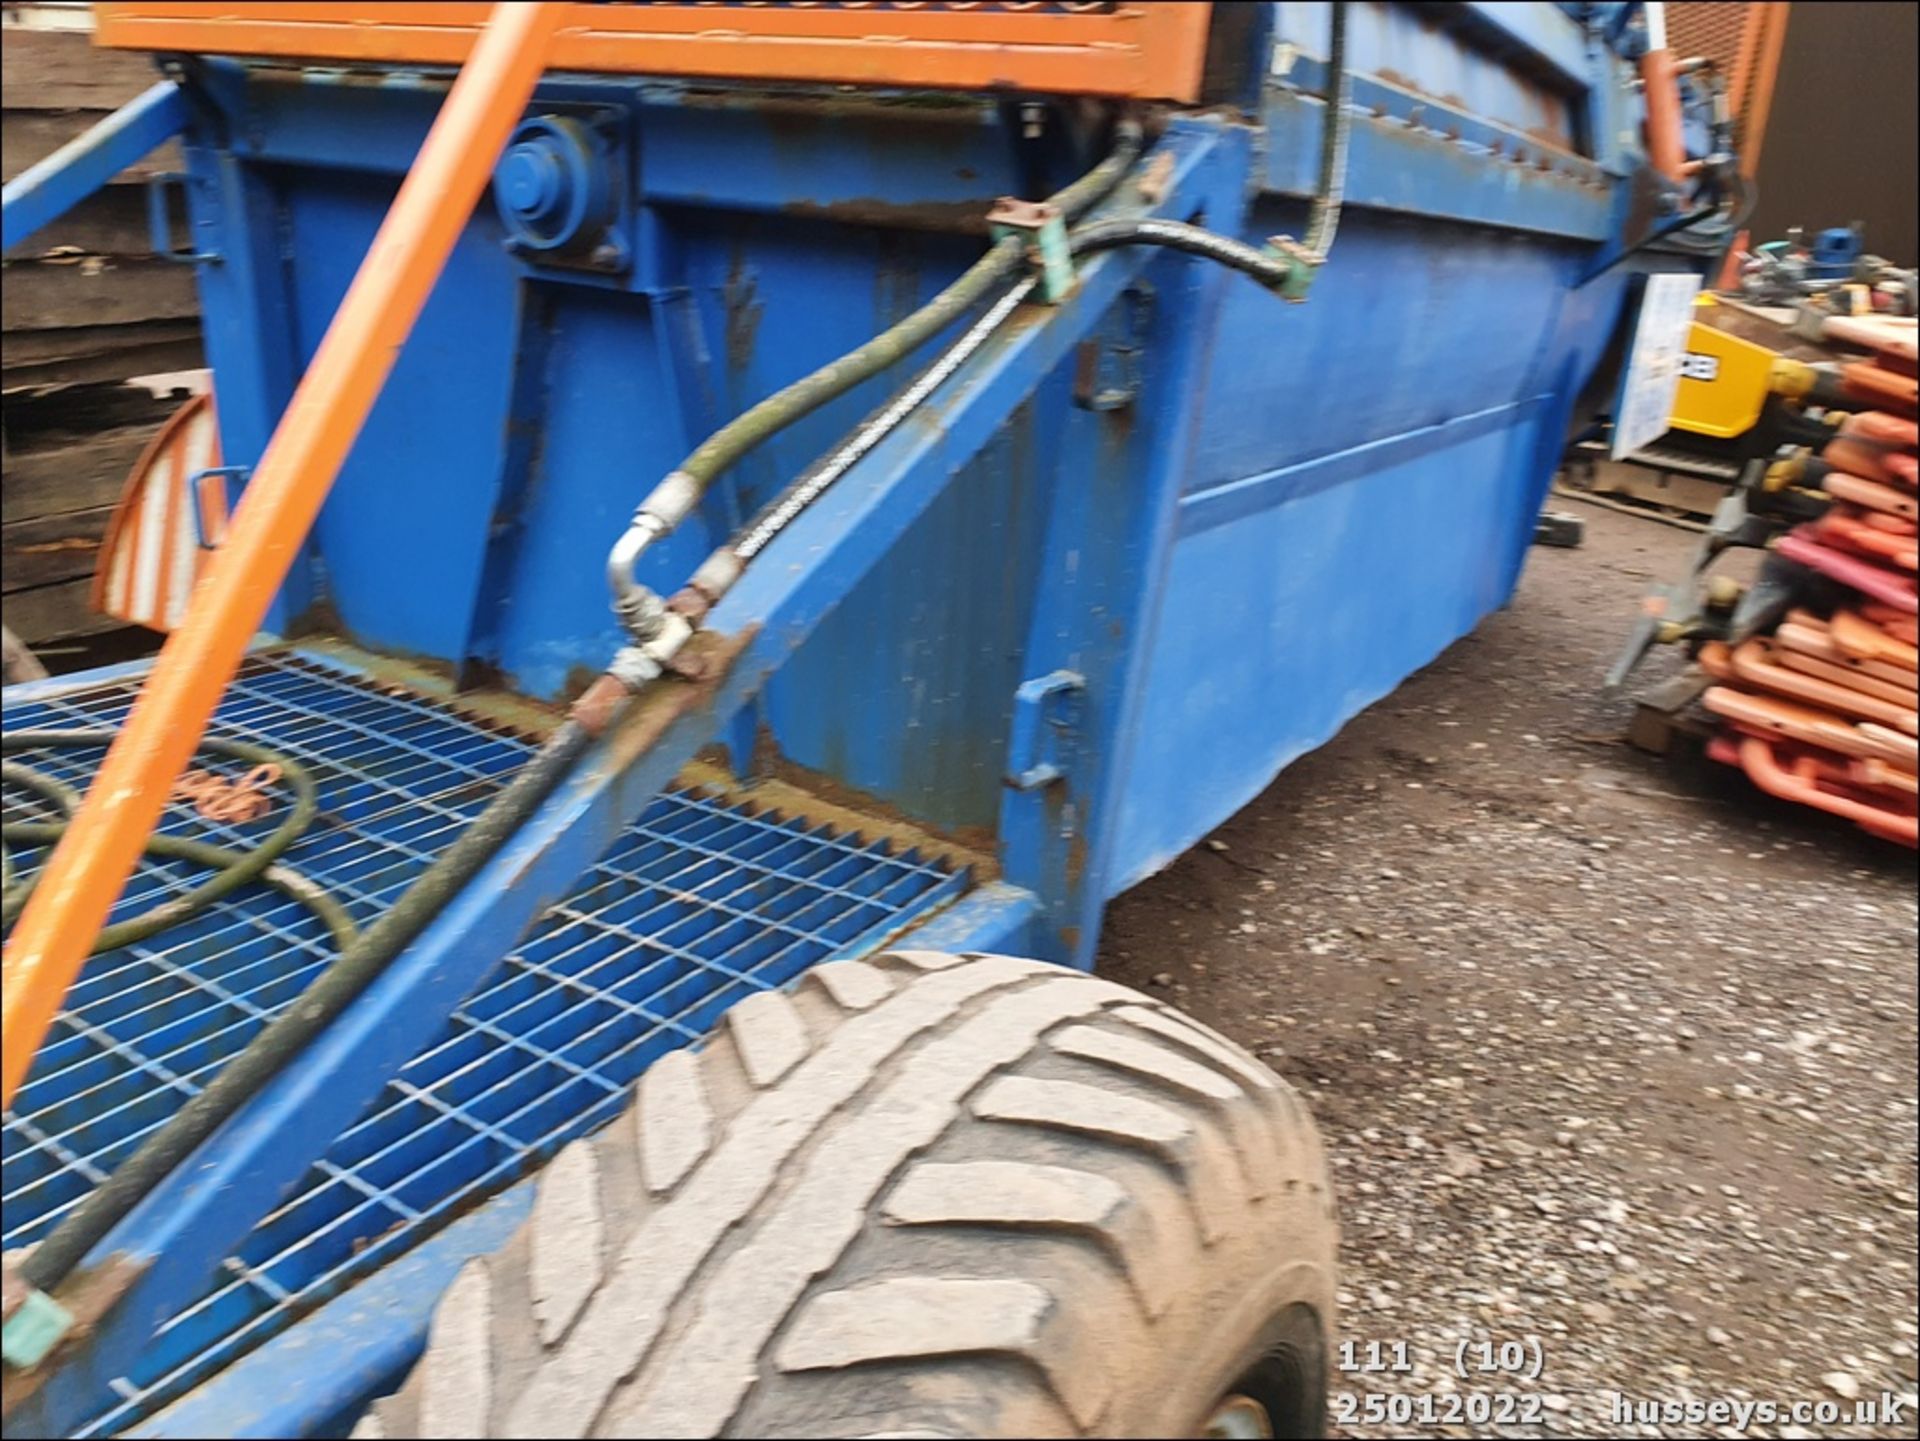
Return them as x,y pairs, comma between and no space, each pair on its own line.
1046,719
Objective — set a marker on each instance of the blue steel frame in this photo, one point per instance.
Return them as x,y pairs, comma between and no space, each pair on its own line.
48,189
1137,591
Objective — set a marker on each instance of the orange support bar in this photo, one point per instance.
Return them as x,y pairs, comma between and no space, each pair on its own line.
85,874
1660,88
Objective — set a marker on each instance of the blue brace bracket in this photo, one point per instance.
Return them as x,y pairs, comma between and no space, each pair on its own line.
42,193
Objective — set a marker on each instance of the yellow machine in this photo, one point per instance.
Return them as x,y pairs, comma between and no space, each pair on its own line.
1728,376
1748,386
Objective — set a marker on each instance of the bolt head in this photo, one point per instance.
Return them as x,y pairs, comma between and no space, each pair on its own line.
530,180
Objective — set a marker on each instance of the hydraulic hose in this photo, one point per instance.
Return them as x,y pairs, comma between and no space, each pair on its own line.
284,879
1336,129
674,498
50,1262
222,859
1075,200
717,575
1272,271
234,871
823,473
1707,239
779,410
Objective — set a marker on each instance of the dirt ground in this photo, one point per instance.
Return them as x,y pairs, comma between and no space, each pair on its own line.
1612,1056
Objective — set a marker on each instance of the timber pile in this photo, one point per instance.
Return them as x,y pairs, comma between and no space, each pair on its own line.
84,307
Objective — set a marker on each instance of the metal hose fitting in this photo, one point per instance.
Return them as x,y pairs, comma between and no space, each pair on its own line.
642,613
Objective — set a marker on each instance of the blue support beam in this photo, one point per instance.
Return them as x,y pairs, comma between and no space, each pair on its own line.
1110,531
1540,39
189,1224
42,193
1414,156
360,1343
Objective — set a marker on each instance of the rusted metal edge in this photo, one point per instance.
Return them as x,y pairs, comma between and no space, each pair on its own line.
87,1296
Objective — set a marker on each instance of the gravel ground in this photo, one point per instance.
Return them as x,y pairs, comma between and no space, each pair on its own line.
1611,1054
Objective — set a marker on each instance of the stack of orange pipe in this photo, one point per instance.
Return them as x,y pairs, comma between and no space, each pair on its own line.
1826,710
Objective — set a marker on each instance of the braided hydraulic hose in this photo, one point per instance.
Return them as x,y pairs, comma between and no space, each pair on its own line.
823,473
717,575
672,500
810,392
1336,128
1271,270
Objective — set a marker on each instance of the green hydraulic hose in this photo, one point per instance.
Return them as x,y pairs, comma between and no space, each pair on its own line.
806,395
1097,184
222,859
234,870
1272,270
640,611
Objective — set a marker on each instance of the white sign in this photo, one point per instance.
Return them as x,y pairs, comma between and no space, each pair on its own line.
1654,367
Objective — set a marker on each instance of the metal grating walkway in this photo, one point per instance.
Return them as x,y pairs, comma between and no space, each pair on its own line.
699,904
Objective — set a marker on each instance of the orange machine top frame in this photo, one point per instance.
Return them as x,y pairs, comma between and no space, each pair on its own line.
1119,47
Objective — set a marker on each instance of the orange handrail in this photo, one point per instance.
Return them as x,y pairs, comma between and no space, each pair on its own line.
85,874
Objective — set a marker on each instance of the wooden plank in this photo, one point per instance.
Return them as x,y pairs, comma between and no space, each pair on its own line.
87,473
1890,335
45,295
139,358
30,136
112,223
51,612
51,70
46,347
51,548
55,417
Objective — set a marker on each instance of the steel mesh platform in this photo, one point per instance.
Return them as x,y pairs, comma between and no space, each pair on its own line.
700,903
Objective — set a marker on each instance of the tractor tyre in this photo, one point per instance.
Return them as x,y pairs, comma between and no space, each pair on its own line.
915,1195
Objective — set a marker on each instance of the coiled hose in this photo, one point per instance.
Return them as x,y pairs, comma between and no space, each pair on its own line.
232,868
370,952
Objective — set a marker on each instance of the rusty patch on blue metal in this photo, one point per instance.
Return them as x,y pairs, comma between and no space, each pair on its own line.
946,217
744,313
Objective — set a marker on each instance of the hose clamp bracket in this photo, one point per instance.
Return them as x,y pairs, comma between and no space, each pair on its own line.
1043,229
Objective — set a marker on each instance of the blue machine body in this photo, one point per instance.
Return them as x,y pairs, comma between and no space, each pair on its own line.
1146,548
